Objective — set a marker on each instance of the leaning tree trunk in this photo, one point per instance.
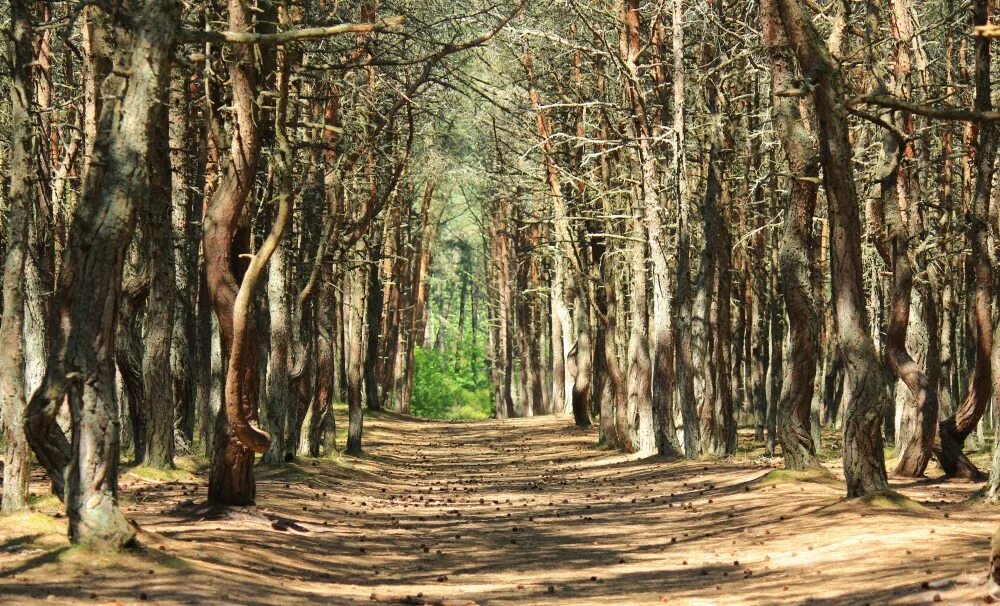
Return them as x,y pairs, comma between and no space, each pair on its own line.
128,351
800,148
81,367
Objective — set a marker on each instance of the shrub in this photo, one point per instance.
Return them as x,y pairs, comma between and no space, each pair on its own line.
450,388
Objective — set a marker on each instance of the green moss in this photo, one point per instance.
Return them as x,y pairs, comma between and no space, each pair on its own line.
154,474
44,501
891,499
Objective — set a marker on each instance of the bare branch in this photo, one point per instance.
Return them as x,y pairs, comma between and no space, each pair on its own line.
305,33
941,113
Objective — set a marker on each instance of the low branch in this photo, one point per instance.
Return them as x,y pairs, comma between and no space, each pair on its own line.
941,113
305,33
987,31
900,137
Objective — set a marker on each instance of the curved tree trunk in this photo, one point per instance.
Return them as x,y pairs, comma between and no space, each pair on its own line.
953,431
231,481
864,460
129,351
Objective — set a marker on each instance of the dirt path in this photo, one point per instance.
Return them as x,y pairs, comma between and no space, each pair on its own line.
522,511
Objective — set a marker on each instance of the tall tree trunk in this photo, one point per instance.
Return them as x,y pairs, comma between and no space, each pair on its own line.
373,314
20,194
682,318
953,431
231,481
186,178
282,403
354,316
797,241
701,333
566,266
776,340
641,436
864,460
159,317
82,367
500,260
279,361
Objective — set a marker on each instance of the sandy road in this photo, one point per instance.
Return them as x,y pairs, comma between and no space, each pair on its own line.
521,511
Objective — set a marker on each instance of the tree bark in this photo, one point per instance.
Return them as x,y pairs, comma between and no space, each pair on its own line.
682,318
797,241
864,460
82,367
159,316
354,316
374,304
231,481
953,431
20,195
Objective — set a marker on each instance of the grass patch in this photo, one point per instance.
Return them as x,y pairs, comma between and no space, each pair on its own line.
815,475
138,558
188,468
340,415
31,524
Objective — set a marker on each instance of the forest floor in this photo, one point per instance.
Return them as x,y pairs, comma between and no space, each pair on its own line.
520,511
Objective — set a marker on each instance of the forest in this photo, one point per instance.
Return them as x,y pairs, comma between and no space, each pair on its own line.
459,302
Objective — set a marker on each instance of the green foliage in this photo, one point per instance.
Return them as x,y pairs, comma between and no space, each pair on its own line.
451,387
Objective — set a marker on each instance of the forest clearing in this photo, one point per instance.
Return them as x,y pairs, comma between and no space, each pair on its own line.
452,302
521,511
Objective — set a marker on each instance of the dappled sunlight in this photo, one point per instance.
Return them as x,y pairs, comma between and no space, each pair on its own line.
521,511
